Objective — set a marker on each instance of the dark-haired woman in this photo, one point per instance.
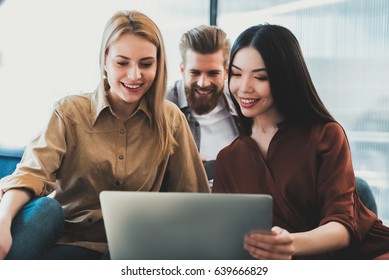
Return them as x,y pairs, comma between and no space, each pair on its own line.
294,150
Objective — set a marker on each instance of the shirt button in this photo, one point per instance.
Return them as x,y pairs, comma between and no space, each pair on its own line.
121,157
117,183
197,124
122,131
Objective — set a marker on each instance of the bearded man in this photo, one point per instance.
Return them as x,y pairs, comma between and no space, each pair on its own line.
201,94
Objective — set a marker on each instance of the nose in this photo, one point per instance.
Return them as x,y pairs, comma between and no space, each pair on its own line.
246,85
203,81
133,73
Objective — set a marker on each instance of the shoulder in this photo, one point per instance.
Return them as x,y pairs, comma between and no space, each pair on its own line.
231,157
170,107
229,103
328,130
172,93
75,108
330,127
234,149
173,113
329,135
73,103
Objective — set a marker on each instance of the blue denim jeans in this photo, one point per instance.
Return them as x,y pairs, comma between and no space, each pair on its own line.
36,228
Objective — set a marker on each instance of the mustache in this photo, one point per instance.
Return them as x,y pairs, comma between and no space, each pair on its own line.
208,88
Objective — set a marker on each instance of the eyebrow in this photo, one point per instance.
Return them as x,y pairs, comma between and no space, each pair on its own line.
144,58
255,70
208,71
122,56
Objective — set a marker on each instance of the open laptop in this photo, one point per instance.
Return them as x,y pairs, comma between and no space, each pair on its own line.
182,226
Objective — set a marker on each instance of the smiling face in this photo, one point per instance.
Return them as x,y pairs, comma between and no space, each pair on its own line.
131,66
249,83
204,76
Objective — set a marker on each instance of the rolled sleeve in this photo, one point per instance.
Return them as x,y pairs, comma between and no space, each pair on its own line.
41,159
336,179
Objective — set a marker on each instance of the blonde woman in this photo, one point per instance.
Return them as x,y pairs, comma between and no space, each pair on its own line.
123,136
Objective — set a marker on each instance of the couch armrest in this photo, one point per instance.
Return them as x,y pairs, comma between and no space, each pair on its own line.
9,158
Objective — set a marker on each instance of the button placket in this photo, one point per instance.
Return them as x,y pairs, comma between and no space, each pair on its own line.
121,155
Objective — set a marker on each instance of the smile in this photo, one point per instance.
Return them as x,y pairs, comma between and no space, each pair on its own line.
248,101
203,92
131,86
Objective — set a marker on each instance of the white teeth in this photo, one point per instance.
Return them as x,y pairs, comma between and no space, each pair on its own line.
248,101
203,92
131,86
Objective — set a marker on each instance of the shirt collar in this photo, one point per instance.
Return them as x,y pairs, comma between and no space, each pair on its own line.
230,105
99,102
145,109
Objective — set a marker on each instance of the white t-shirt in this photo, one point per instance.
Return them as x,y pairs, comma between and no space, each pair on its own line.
217,130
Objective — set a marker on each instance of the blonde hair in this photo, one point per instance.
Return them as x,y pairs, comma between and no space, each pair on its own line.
133,22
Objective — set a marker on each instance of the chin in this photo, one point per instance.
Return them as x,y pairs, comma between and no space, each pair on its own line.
248,114
130,100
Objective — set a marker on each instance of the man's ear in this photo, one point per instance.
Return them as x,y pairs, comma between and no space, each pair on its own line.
182,68
225,72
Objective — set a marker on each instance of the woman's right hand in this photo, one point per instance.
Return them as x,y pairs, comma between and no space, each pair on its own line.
277,245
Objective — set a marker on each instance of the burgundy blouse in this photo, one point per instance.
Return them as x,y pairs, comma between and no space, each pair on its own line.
309,173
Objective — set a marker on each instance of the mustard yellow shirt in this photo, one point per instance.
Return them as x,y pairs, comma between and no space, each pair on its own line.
85,149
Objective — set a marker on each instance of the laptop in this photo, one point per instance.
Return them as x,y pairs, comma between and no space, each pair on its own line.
182,226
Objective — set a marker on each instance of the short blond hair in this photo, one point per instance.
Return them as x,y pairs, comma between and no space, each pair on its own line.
205,39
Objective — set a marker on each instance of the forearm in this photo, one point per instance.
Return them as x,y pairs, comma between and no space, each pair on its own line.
11,203
326,238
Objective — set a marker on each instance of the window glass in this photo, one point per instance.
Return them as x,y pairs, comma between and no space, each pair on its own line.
346,45
50,49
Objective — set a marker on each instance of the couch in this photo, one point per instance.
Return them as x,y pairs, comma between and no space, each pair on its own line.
11,156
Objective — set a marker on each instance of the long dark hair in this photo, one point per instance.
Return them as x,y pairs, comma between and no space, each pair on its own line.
291,85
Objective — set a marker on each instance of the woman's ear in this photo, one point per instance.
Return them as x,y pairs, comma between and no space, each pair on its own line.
105,65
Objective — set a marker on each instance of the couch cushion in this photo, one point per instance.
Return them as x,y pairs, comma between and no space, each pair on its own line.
9,158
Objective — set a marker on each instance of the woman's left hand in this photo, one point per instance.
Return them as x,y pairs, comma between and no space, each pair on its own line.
277,245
